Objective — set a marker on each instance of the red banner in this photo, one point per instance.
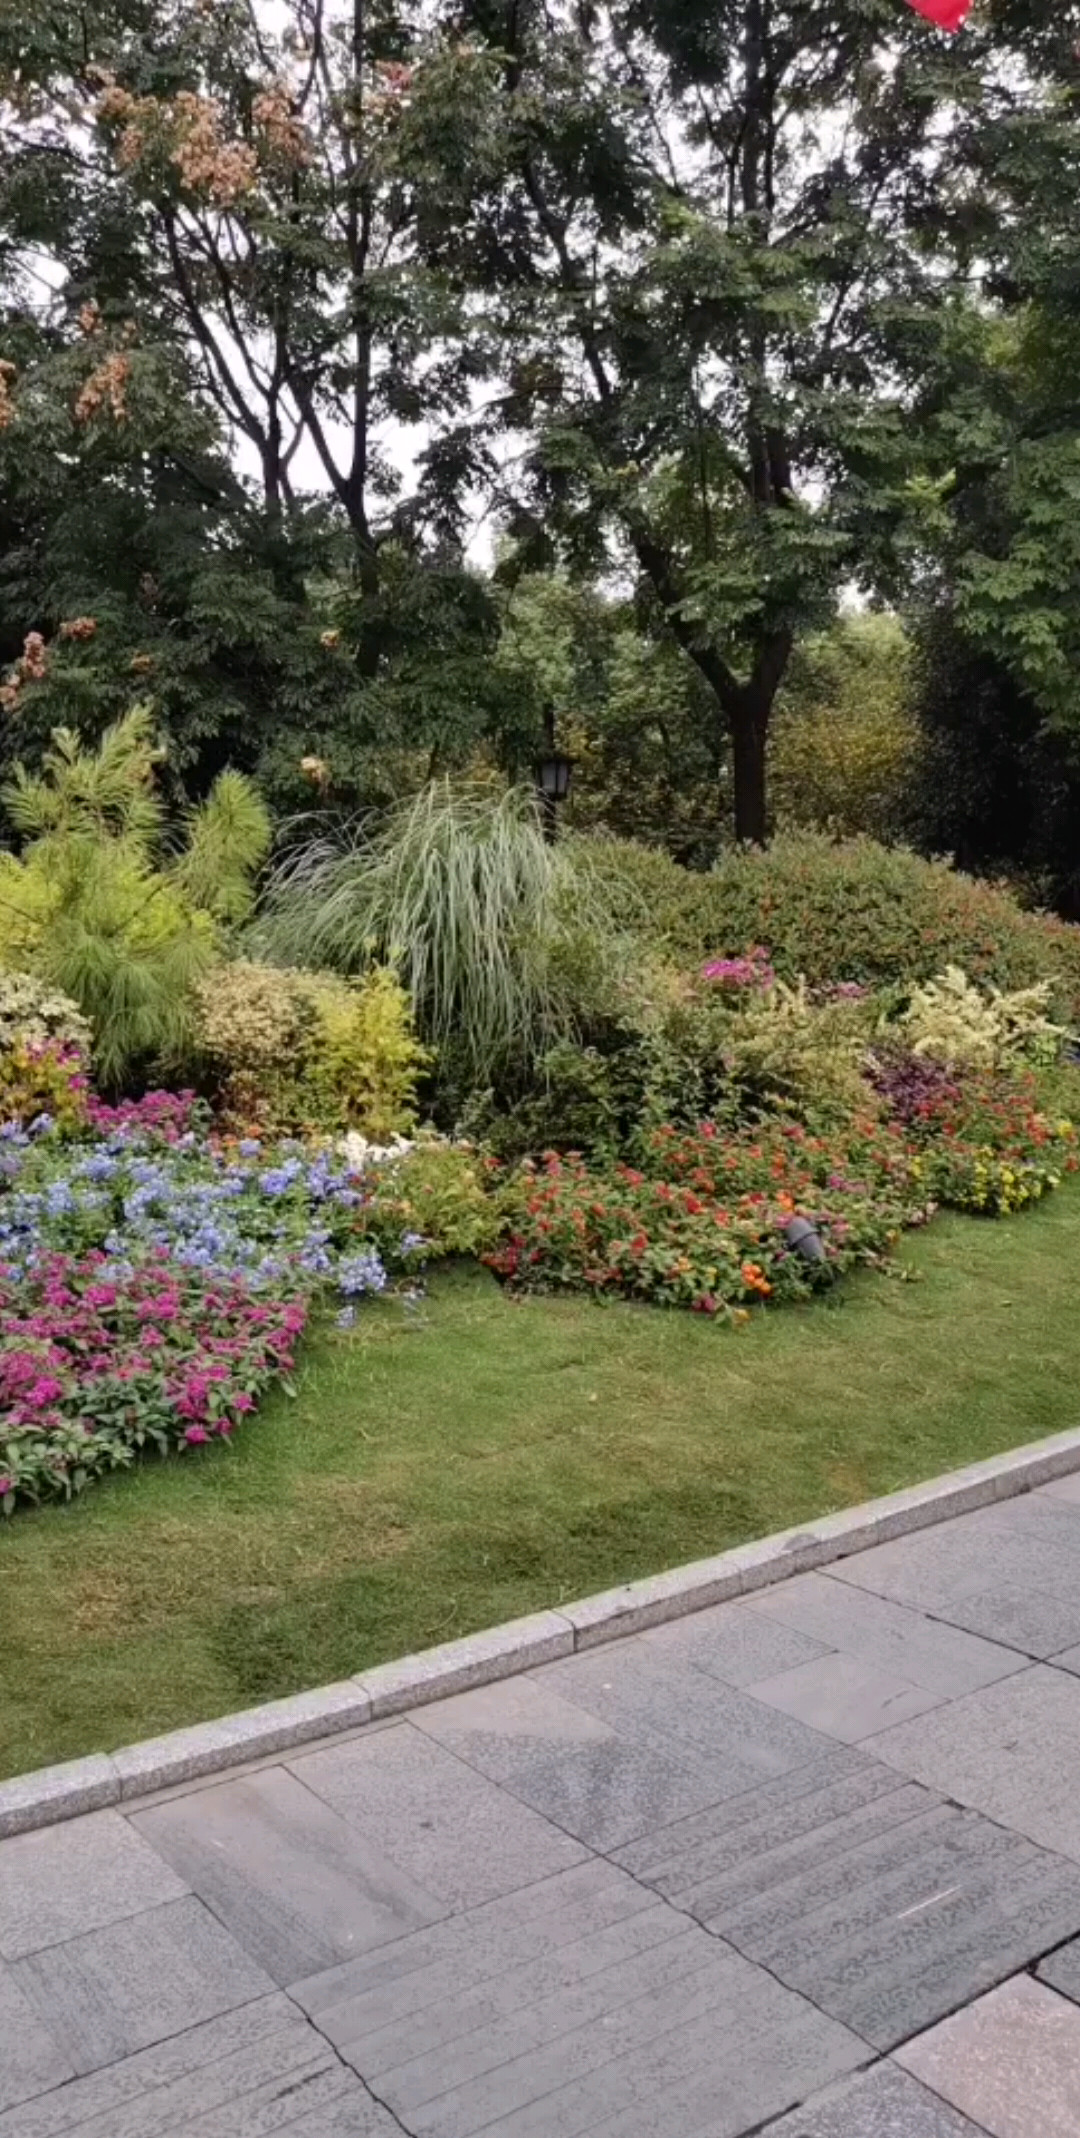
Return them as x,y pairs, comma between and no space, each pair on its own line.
948,14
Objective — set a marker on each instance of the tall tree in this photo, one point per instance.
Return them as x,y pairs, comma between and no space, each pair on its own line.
226,301
1011,554
721,278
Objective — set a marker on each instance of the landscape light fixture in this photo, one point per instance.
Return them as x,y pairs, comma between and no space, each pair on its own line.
804,1238
552,776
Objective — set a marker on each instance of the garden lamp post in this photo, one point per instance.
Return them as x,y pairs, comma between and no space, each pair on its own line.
552,777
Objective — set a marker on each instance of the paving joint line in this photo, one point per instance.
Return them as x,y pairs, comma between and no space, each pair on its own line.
878,2055
350,2068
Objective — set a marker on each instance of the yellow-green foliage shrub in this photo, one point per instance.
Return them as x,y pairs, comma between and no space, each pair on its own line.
31,1012
254,1020
298,1050
367,1059
41,1079
98,904
950,1020
44,1053
808,1056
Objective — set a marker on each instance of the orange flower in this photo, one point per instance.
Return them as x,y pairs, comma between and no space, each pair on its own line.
755,1280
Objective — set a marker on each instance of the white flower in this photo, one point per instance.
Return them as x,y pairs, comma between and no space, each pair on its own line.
360,1153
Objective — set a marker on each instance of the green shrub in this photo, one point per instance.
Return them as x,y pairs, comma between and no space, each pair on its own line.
574,1105
301,1050
838,910
782,1050
654,1052
435,1192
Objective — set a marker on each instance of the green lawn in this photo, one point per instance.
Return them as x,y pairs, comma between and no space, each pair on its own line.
441,1472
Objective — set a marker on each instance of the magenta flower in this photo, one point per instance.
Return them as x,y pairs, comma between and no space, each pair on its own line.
753,970
44,1391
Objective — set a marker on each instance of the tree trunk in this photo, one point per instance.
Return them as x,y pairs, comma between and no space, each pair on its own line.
749,729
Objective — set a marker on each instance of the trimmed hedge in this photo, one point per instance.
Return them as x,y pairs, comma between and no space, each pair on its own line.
838,910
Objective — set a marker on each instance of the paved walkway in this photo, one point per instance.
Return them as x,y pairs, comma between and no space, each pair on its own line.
807,1864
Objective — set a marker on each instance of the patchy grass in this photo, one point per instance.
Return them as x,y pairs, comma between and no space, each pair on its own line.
442,1471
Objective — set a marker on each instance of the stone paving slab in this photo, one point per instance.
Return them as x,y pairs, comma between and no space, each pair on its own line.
647,2022
114,1991
31,2059
63,1880
458,1835
845,1697
1061,1970
301,1887
1062,1488
733,1643
1007,1585
534,1924
1011,2061
1011,1751
1020,1615
679,1712
566,1763
884,1906
882,2103
893,1637
258,2070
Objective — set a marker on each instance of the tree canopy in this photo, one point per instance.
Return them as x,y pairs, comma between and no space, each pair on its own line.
714,314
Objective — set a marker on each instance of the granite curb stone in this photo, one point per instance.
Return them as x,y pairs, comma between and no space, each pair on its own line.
458,1666
62,1792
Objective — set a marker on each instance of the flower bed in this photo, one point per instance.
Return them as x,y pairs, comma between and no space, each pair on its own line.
704,1222
985,1144
154,1277
95,1365
155,1273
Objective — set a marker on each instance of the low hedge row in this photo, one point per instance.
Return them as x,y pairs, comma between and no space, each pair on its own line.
839,910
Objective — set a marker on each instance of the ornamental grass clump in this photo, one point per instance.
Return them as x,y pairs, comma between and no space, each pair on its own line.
461,894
